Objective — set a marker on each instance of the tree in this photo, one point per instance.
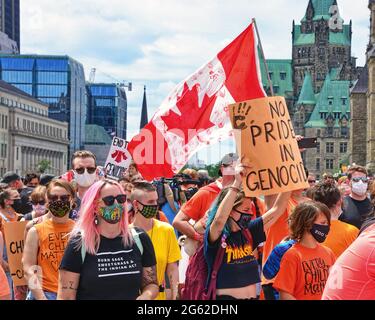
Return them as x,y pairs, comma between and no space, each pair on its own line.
43,166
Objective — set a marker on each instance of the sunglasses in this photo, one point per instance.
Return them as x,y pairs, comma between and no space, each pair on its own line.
90,170
363,179
41,202
311,181
54,197
110,200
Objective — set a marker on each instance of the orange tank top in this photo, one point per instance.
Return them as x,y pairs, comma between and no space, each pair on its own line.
53,239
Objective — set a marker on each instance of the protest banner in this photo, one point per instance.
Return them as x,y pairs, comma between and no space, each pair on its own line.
14,234
266,141
118,159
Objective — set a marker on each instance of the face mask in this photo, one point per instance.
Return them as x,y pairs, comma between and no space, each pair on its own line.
189,193
17,205
243,221
59,208
85,180
359,188
320,232
112,214
39,209
149,212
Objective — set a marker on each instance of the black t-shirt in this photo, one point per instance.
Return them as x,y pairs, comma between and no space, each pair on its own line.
114,273
356,212
239,267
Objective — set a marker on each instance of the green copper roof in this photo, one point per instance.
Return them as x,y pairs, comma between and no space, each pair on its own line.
321,9
339,38
95,134
281,75
330,101
307,95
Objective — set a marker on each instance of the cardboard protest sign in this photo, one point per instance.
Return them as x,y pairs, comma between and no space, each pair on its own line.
266,140
118,159
14,234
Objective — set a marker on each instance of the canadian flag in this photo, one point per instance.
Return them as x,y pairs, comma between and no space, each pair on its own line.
195,114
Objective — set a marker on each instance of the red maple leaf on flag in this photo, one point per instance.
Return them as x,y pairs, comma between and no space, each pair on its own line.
119,156
192,116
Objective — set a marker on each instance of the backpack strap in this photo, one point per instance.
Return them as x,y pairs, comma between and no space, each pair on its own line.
137,240
211,290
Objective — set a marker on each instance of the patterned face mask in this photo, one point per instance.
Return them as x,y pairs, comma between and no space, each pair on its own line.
112,214
149,212
59,208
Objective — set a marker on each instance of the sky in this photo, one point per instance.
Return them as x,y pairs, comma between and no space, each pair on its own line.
158,43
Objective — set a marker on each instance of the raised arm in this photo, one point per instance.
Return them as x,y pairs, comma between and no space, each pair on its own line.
226,206
279,207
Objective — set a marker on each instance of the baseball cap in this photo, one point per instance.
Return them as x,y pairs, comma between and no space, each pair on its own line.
227,160
9,177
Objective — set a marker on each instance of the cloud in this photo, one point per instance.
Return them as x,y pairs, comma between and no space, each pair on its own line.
159,43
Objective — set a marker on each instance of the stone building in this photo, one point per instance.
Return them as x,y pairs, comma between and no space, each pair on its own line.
28,136
362,142
316,83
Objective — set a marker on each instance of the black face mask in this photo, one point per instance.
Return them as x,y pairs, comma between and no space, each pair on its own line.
320,232
17,206
243,221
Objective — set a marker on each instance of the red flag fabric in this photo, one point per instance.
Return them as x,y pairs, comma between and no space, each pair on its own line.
195,114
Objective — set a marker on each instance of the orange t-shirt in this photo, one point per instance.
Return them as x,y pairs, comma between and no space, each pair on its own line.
340,237
4,286
276,233
53,239
198,205
304,271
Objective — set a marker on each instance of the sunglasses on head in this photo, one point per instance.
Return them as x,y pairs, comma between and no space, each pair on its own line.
363,179
54,197
90,170
41,202
110,200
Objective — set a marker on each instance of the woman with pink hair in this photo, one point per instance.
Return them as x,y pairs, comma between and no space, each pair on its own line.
105,258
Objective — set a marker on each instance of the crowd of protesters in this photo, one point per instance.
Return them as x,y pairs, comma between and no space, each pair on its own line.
90,237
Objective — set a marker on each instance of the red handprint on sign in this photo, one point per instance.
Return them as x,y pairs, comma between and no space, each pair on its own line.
119,156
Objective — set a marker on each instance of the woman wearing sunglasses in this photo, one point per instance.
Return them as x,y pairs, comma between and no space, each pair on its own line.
38,200
105,259
232,236
46,242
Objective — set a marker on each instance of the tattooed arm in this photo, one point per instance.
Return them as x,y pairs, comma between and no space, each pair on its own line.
68,285
149,287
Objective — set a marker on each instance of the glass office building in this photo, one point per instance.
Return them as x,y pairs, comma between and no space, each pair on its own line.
56,80
10,19
107,107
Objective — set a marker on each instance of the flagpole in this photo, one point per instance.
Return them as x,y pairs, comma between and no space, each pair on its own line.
264,58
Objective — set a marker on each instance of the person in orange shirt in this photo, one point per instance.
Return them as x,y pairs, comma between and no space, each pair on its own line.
305,267
46,242
275,234
196,208
7,214
4,285
341,234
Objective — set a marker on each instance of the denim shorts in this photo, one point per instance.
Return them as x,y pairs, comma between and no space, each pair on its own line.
49,295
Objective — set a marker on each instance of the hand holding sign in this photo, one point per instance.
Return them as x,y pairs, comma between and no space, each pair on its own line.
265,139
